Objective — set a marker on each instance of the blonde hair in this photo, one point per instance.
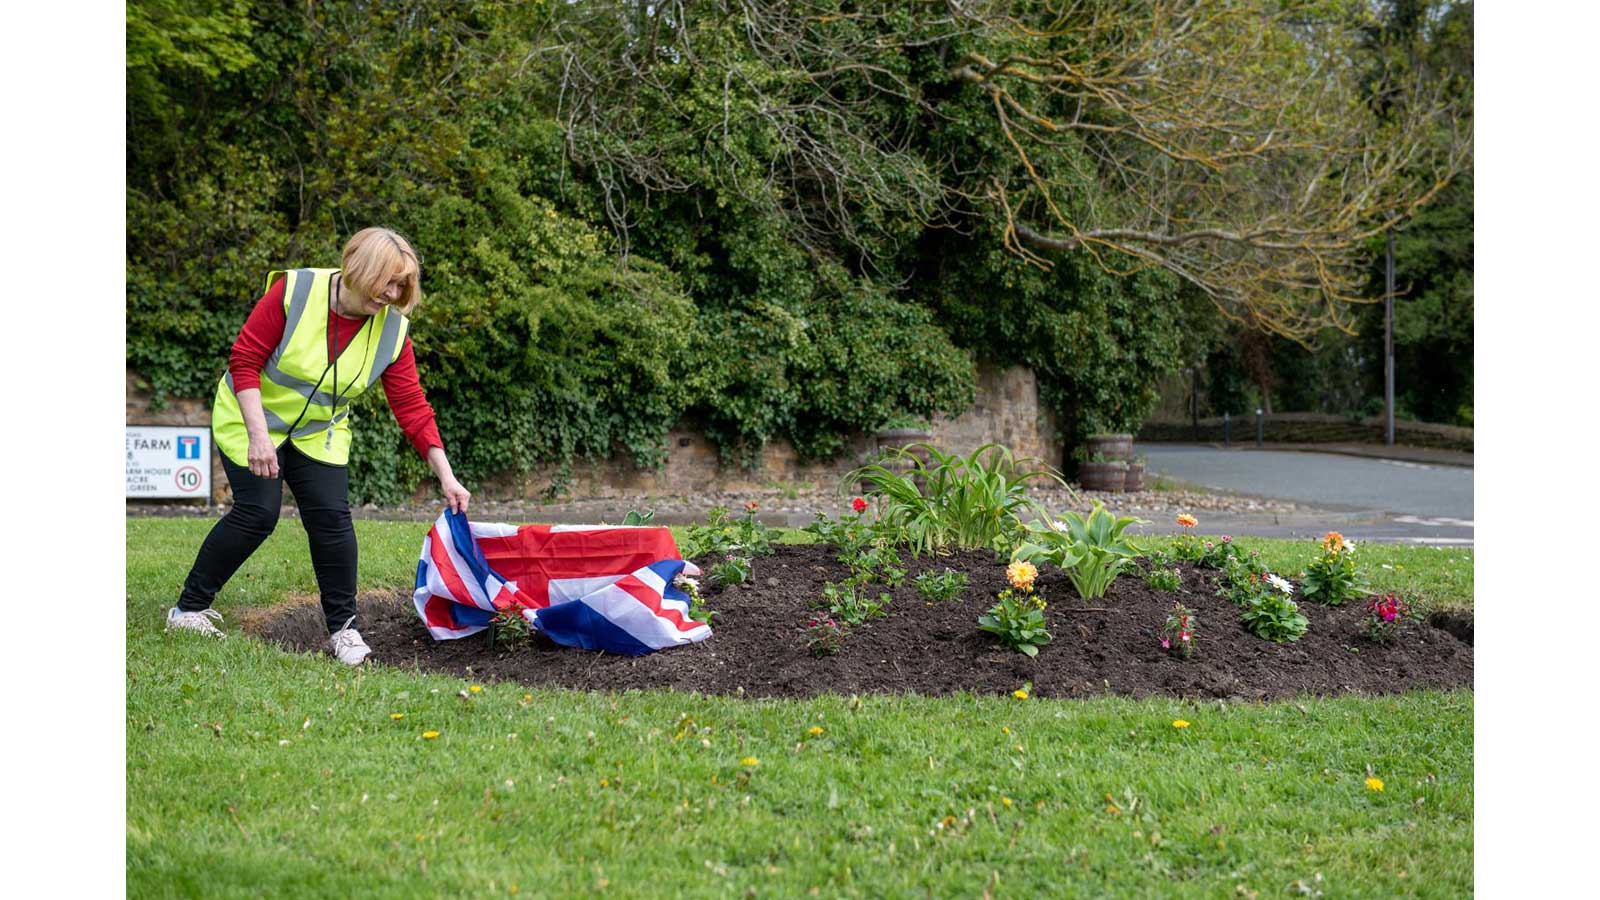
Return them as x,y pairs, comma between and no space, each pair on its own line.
374,256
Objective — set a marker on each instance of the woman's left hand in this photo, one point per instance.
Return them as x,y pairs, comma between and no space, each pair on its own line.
455,496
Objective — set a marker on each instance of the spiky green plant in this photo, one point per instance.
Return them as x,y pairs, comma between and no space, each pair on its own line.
937,501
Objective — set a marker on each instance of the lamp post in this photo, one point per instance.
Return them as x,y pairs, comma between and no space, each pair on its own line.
1388,343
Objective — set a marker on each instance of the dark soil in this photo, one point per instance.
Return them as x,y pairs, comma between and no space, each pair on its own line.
1108,646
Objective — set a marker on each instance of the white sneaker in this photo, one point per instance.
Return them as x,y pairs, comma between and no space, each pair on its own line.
194,621
348,646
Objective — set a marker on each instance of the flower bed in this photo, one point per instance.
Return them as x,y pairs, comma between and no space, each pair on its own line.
1108,645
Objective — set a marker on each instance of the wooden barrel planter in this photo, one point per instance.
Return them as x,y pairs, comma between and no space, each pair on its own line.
1134,480
892,439
1102,476
1110,446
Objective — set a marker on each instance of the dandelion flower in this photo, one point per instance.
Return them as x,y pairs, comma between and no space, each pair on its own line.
1188,521
475,689
1021,575
429,735
1005,801
1375,784
1281,583
1180,723
397,716
1020,694
816,730
749,761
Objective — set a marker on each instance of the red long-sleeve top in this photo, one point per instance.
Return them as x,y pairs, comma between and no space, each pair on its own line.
264,329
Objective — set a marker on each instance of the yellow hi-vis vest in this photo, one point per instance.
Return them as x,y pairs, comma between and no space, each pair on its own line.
297,389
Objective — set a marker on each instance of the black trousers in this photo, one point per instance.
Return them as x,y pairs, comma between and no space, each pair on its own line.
322,492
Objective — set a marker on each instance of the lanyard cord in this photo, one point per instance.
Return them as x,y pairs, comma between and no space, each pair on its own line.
338,292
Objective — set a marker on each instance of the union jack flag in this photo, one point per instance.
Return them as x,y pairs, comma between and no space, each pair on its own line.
592,586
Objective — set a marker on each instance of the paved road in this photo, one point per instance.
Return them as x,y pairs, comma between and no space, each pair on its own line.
1377,499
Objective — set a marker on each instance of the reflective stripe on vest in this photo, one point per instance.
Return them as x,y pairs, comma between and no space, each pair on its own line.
289,396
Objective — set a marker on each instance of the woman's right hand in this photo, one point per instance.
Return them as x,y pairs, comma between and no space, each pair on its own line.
262,457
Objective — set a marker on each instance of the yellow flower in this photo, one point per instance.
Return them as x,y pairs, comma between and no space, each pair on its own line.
1375,784
749,761
815,730
397,716
1005,730
475,689
429,735
1020,694
1005,801
1021,575
1188,521
1180,723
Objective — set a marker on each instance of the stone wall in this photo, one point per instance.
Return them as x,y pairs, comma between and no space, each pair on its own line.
1006,411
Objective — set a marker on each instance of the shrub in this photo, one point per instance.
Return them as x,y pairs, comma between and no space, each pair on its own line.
1018,620
943,587
1091,550
951,501
1268,611
1331,578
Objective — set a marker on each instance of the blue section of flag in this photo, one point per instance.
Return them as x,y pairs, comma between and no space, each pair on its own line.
574,624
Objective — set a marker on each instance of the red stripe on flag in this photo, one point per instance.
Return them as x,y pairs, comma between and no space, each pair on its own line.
447,570
437,610
642,592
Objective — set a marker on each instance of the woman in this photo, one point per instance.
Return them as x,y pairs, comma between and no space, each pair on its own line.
317,339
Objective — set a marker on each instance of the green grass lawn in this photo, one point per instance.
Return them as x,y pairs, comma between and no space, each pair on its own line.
252,771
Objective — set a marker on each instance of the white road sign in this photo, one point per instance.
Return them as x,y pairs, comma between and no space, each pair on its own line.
169,461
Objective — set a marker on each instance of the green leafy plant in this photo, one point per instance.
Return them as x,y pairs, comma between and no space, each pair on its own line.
851,604
942,587
1331,578
847,533
1268,610
634,517
935,501
1217,554
722,536
1092,551
1018,621
824,636
878,564
733,570
1161,578
1178,634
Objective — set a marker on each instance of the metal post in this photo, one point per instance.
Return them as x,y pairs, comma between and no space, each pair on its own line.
1224,429
1194,402
1259,427
1388,344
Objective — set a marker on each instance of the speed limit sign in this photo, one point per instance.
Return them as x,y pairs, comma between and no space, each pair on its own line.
169,461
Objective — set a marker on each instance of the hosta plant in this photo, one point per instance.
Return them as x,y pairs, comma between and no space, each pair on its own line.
1091,550
1018,621
1331,578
